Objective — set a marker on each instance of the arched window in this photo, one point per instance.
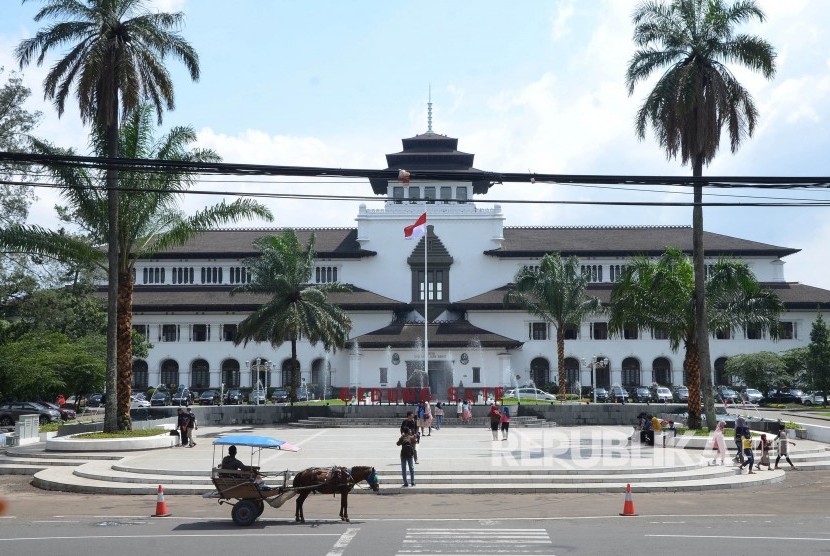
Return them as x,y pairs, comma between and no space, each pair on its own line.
141,376
630,372
170,373
721,378
540,371
230,373
572,375
661,371
199,374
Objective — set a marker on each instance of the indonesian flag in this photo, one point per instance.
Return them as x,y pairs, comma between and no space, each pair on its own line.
418,229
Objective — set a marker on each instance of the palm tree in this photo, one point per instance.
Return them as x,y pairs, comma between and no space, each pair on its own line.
660,296
297,310
555,292
149,219
115,60
694,99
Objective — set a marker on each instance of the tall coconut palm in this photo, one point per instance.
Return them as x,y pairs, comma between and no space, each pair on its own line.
116,50
555,292
297,309
659,295
149,218
694,99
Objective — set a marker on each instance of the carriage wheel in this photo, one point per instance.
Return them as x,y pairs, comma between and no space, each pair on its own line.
260,507
244,513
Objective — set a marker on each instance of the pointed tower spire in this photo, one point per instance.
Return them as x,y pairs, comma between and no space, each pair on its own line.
429,110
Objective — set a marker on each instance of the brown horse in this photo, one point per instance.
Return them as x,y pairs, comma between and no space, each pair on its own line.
332,480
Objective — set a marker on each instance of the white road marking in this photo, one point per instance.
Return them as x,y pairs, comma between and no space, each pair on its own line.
343,542
461,540
754,537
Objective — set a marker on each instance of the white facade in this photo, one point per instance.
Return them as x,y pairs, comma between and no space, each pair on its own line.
186,312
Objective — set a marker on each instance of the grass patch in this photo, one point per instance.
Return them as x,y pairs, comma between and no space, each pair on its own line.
823,413
121,434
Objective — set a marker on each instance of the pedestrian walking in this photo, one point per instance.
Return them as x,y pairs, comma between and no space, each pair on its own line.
783,447
181,424
719,443
466,414
749,458
739,432
439,415
505,422
495,420
763,447
191,425
407,444
421,415
428,418
459,409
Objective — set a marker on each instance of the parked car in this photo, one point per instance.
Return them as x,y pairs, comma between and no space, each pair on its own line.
94,400
661,394
681,394
280,395
139,400
161,398
642,394
209,397
813,398
66,414
10,412
618,394
601,395
256,397
727,394
784,395
234,397
183,397
752,395
304,394
527,392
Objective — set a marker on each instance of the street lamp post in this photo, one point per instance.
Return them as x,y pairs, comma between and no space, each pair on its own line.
595,364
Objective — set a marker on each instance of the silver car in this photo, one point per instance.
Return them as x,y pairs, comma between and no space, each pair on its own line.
813,398
530,393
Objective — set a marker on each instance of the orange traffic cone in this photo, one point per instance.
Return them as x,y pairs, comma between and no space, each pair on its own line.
161,505
628,507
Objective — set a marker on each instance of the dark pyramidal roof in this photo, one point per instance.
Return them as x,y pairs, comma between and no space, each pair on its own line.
430,151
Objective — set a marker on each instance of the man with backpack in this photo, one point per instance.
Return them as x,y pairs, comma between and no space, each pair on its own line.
407,444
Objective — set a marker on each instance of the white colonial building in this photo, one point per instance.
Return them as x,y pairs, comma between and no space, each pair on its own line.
183,306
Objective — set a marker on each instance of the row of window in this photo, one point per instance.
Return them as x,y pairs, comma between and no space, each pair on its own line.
192,332
593,272
429,194
230,374
216,275
599,331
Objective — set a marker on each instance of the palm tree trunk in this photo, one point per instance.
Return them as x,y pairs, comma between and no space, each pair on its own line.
110,406
125,349
701,321
691,364
560,360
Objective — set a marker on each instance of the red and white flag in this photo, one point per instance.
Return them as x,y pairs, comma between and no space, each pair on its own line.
418,229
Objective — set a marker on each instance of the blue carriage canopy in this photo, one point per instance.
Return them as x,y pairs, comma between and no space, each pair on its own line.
256,442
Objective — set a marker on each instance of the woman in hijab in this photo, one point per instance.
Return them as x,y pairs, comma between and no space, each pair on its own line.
720,443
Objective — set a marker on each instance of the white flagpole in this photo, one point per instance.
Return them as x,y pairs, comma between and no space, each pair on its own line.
426,298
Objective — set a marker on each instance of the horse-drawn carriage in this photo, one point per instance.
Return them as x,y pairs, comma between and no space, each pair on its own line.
247,490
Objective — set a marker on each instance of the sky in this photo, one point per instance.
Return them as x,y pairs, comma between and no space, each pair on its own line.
532,86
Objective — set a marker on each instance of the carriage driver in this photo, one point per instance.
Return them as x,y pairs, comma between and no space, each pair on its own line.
230,461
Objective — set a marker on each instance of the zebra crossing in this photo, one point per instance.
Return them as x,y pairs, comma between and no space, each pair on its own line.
490,541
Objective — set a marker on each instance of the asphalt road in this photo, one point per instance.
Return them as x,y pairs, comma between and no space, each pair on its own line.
792,516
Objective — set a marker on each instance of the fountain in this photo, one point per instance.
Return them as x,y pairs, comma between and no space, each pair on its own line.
326,379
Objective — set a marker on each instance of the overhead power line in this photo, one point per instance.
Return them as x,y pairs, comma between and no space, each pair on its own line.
224,168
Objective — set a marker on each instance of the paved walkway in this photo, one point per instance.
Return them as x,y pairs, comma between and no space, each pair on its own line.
459,459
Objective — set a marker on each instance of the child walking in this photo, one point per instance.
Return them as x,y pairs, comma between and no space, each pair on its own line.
505,422
764,446
749,458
